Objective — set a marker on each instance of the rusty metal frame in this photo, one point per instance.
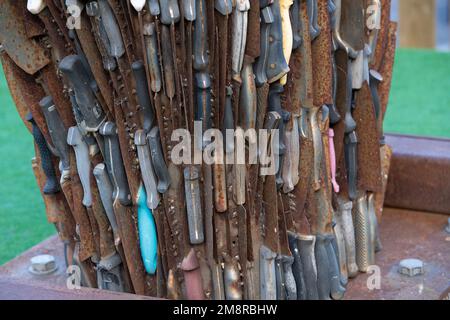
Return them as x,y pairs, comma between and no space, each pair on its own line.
420,174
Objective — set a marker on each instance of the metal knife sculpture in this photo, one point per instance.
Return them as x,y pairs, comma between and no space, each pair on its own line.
116,92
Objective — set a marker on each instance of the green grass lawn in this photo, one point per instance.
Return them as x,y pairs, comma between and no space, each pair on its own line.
419,104
22,216
420,97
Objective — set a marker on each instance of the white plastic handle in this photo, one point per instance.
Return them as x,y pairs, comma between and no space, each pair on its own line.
36,6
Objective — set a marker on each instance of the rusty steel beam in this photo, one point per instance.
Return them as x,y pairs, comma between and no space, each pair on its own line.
420,174
19,289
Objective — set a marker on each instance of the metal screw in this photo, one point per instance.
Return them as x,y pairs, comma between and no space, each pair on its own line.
42,265
411,267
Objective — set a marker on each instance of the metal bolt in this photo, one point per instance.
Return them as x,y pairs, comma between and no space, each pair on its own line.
42,265
411,267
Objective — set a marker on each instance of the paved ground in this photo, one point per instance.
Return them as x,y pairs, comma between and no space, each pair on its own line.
404,234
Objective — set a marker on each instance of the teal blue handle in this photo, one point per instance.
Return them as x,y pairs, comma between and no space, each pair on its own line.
147,233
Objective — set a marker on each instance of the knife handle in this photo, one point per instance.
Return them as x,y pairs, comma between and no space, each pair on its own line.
297,267
351,160
314,28
225,7
296,25
323,274
105,189
288,37
344,45
228,120
260,65
290,286
344,214
157,156
362,233
152,56
93,116
220,188
114,164
170,12
201,57
147,171
291,162
332,152
267,274
192,277
279,276
337,291
239,37
194,205
375,80
75,139
203,111
232,280
277,65
318,146
155,10
189,11
306,245
248,103
338,242
148,240
51,184
143,95
56,129
112,29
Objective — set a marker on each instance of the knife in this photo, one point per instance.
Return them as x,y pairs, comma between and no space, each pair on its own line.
114,164
260,66
151,45
159,164
314,28
148,240
192,277
189,10
286,29
239,37
296,25
112,30
337,290
58,133
170,12
194,205
201,65
362,233
75,139
297,267
51,184
291,162
93,116
154,7
248,103
143,95
277,65
147,171
306,246
345,220
106,195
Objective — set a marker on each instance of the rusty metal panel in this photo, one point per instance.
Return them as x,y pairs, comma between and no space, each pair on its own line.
25,52
420,174
408,234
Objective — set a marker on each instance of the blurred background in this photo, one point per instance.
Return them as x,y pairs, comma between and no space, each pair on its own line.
419,105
